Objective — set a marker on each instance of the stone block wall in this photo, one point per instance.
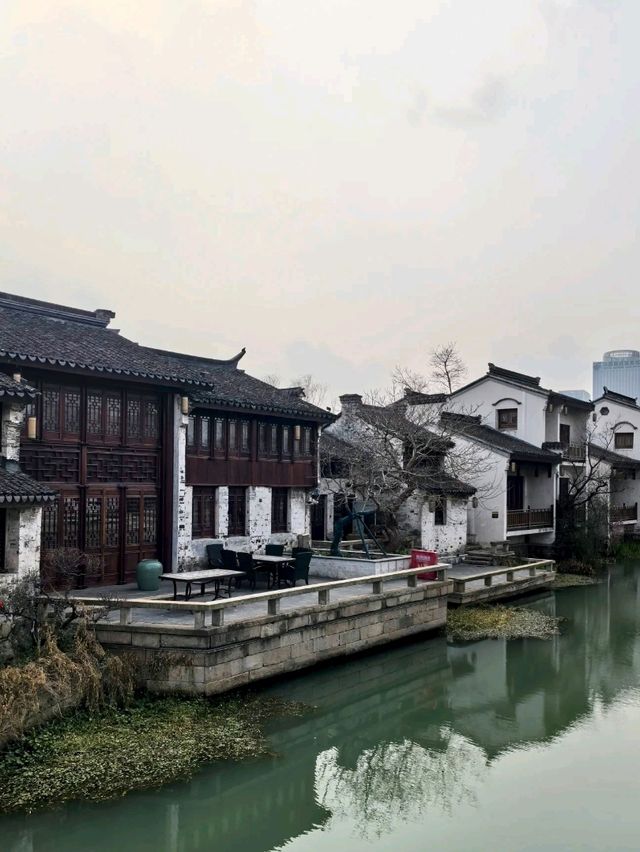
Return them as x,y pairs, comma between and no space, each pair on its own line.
22,545
217,659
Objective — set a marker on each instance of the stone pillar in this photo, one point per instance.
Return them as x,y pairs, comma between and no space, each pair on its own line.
222,511
258,514
182,496
22,550
12,417
299,512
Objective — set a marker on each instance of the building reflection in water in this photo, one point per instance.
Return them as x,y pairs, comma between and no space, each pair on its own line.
407,731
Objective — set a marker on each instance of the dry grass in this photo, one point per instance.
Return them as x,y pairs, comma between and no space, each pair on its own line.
499,622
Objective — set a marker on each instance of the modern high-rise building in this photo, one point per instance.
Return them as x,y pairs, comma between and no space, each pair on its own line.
618,371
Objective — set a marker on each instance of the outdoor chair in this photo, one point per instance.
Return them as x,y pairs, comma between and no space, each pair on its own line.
296,550
229,560
274,550
214,555
299,570
249,568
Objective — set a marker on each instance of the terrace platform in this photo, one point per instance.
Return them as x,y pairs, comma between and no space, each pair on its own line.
207,646
481,584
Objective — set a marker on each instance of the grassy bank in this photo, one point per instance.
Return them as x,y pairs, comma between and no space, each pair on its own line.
568,581
499,622
103,755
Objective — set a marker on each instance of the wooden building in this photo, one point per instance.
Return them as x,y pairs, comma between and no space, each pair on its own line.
147,450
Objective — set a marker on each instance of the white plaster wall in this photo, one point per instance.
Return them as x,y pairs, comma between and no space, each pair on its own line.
258,523
182,494
343,568
490,480
618,415
12,417
539,491
484,399
22,549
450,538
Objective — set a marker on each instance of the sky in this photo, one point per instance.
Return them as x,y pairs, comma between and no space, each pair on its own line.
338,186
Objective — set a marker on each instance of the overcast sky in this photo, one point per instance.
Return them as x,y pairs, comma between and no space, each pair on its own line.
336,185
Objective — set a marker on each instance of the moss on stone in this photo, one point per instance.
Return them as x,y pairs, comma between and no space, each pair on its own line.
106,754
569,581
499,622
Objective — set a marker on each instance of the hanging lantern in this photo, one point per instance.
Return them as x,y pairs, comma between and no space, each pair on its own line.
184,404
32,428
296,432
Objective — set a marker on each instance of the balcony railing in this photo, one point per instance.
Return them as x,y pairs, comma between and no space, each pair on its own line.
573,451
529,519
624,513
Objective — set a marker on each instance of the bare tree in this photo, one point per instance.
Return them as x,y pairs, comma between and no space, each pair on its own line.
314,392
383,456
272,379
447,367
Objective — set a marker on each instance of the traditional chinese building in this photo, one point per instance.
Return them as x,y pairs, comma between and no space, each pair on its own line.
148,453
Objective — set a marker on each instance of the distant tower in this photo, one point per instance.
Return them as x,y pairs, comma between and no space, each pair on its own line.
618,371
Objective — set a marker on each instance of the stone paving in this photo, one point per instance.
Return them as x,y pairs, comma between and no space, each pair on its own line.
242,612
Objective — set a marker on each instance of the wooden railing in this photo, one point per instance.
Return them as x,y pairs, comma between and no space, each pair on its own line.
529,519
572,451
217,608
624,513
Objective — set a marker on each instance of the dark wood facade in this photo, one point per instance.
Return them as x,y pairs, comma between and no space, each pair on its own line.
236,449
106,448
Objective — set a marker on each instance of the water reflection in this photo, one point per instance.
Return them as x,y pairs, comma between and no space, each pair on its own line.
397,737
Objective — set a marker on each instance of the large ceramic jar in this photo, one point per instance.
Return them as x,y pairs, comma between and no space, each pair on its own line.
148,575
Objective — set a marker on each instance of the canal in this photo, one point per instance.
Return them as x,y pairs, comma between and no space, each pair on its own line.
521,745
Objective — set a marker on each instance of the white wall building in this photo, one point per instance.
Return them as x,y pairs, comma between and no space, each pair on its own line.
21,497
433,518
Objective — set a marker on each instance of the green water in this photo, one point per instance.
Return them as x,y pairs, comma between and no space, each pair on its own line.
522,745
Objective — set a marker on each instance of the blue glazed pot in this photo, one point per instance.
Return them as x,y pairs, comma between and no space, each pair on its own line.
148,575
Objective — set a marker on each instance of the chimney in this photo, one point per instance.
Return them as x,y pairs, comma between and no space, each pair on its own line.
350,401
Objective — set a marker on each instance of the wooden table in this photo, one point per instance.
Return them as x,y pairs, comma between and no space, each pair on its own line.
273,563
201,578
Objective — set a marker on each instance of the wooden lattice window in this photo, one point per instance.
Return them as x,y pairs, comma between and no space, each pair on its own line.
151,419
237,511
218,435
71,522
50,515
133,520
245,446
94,413
191,431
150,520
51,409
112,521
232,431
305,441
134,409
440,512
205,433
279,509
286,440
93,523
71,411
114,415
203,513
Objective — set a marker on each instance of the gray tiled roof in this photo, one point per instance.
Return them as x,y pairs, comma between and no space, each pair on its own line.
614,459
39,333
519,450
9,387
17,487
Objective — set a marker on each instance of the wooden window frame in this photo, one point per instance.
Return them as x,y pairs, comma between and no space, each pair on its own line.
279,510
623,440
237,512
203,512
507,419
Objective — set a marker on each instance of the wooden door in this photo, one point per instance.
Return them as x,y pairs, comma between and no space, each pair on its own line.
141,530
565,434
515,493
318,519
